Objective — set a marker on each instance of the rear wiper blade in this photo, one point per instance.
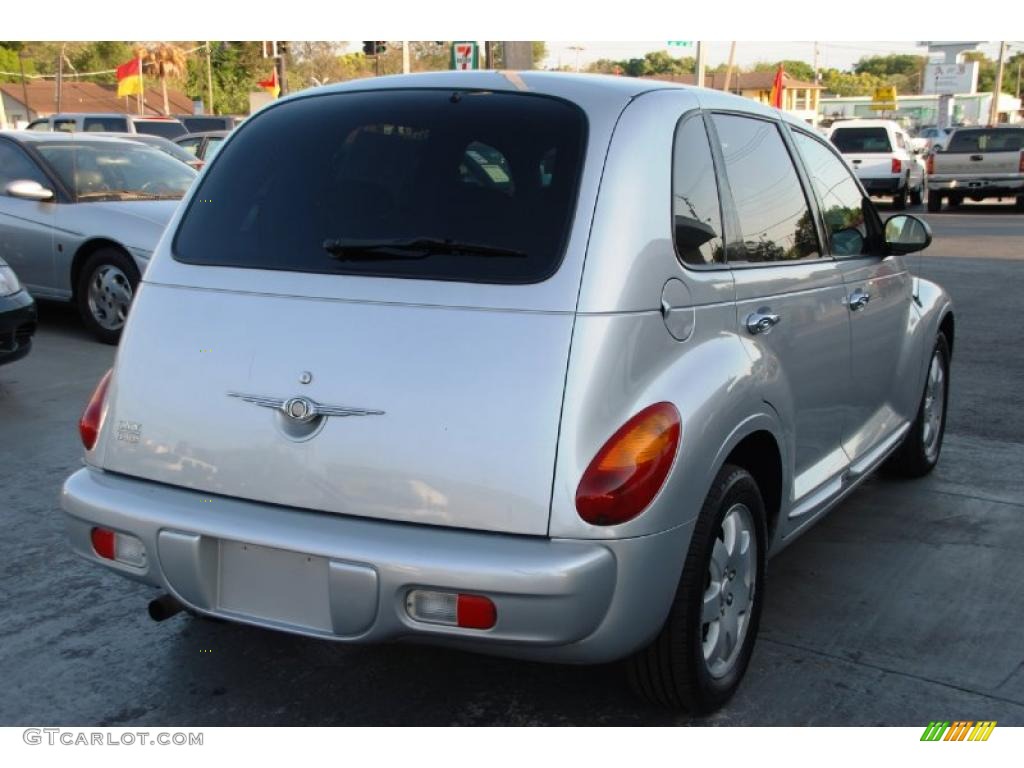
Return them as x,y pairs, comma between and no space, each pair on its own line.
416,248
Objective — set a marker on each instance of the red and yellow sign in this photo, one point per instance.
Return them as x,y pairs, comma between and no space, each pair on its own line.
129,78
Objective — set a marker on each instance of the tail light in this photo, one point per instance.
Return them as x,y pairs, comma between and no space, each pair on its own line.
1020,167
629,470
451,608
92,417
122,547
897,165
929,164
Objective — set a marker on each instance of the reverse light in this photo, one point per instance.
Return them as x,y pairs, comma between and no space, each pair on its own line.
451,608
92,417
629,470
897,165
120,547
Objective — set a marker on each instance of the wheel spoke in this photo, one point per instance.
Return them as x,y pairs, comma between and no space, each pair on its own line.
719,560
711,609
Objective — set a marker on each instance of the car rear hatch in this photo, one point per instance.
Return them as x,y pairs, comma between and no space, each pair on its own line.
982,152
867,149
364,313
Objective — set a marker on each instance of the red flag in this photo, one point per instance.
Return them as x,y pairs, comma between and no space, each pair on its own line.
271,85
129,78
775,100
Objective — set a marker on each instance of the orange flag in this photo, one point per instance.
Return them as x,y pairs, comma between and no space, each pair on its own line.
271,85
775,99
129,78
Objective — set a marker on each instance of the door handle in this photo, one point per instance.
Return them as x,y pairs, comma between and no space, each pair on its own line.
761,321
859,299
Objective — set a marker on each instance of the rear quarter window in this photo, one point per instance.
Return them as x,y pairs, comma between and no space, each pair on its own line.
495,170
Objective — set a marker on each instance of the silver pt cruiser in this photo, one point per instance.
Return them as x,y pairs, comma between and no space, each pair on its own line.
530,364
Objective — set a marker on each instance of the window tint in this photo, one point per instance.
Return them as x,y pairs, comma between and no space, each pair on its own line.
775,222
981,140
109,124
696,214
842,203
325,183
169,129
854,140
15,165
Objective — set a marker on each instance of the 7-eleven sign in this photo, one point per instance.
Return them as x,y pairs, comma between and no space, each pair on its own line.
465,55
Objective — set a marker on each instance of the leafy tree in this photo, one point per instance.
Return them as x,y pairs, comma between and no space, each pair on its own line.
799,70
9,62
894,64
850,83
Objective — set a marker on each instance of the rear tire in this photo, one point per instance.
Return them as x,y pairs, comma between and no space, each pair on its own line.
106,287
1019,205
954,201
698,658
934,202
919,452
917,195
899,200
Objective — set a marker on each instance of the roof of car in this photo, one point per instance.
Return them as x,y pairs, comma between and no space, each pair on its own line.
43,137
566,85
201,134
865,122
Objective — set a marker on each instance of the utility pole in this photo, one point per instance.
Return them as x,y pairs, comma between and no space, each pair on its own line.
24,88
817,70
701,64
1018,78
282,72
209,80
577,48
60,77
405,57
728,69
993,113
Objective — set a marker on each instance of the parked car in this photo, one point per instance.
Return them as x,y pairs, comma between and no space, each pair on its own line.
881,154
427,359
166,146
80,216
203,123
980,164
17,317
112,122
203,146
934,137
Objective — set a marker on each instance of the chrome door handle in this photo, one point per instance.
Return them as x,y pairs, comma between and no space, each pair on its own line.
761,321
859,299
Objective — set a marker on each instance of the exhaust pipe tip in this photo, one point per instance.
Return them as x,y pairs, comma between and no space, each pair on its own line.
164,607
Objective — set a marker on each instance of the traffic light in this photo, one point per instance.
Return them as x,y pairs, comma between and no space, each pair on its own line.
381,47
370,47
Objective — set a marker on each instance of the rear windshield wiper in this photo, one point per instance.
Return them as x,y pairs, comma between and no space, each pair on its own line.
416,248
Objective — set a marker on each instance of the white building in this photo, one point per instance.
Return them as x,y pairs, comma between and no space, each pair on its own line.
968,108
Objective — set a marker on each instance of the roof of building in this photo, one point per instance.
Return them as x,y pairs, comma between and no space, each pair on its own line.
741,81
91,97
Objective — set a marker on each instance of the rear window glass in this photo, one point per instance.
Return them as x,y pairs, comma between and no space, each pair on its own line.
166,128
199,124
109,124
464,186
986,141
854,140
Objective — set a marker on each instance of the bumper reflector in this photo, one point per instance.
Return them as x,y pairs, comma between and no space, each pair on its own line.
120,547
451,609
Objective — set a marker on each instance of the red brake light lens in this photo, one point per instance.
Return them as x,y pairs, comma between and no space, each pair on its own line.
629,470
103,543
929,164
897,165
1021,166
89,424
475,612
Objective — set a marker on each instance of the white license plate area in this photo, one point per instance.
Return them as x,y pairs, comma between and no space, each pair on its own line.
274,585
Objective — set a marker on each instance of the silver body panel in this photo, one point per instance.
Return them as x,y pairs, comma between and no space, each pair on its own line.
495,398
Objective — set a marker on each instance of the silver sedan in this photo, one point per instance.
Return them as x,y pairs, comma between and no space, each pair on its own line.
80,217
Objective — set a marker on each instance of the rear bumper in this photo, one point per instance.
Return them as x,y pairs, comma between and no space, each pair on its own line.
979,186
347,578
882,186
17,326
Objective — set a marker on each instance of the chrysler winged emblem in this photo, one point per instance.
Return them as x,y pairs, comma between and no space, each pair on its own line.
302,409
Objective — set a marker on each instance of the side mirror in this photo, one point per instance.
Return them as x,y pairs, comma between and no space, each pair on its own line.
907,234
28,190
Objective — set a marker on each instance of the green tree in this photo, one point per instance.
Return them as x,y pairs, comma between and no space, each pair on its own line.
850,83
799,70
894,64
9,62
237,68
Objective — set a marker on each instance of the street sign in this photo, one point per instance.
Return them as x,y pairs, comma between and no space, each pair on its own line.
884,99
951,79
681,43
465,55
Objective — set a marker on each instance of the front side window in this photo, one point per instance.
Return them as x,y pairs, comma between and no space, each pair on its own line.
65,126
116,170
39,125
212,146
446,185
842,203
15,165
775,221
696,213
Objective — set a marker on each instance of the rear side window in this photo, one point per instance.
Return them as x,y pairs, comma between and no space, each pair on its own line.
169,129
464,186
861,140
696,213
986,141
775,221
110,124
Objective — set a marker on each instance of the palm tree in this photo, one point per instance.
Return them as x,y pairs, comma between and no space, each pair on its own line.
162,60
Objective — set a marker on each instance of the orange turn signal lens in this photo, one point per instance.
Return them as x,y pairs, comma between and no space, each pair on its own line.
629,470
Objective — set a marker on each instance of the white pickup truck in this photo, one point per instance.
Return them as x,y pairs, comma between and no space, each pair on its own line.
881,154
978,163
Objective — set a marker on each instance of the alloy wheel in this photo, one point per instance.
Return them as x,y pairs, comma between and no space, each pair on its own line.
110,295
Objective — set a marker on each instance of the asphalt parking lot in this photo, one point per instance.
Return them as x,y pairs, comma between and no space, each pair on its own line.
905,605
